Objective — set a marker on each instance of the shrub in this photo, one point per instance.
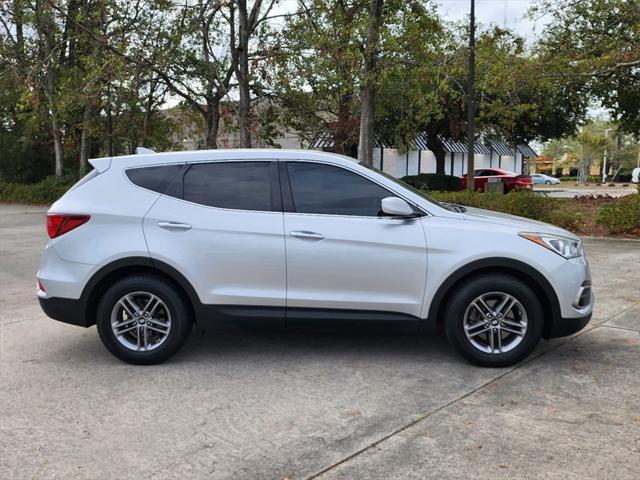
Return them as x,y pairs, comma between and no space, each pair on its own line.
433,182
521,203
621,216
42,193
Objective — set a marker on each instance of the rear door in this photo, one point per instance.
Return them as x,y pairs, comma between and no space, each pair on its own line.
220,224
342,253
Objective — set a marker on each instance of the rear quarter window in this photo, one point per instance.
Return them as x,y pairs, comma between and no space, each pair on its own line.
156,178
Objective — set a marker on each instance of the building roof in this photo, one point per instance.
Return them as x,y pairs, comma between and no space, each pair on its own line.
325,139
502,149
527,151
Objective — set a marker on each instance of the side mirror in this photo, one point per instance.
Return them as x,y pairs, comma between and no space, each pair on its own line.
397,207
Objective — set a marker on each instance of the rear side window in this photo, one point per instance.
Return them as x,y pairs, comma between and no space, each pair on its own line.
318,188
233,185
154,178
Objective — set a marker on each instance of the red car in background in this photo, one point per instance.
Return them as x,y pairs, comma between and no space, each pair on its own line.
511,180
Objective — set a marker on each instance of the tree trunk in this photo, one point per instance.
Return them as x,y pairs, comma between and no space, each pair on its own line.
57,144
109,130
148,110
365,143
437,148
45,31
343,126
85,139
212,123
242,74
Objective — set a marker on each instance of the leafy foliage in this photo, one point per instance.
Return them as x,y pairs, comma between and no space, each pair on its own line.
43,192
521,203
622,216
594,46
433,182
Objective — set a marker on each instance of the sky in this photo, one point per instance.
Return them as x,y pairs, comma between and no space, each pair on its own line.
504,13
509,13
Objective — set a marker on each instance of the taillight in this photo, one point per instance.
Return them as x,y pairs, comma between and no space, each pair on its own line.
59,224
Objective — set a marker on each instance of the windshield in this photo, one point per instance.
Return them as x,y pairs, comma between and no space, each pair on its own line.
420,193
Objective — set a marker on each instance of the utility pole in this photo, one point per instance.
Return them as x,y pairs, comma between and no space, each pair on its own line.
471,106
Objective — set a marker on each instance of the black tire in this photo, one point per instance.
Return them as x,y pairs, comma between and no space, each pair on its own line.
180,315
548,182
480,285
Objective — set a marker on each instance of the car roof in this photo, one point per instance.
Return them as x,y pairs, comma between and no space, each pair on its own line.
275,154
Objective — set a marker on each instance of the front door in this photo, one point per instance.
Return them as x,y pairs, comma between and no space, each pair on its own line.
342,253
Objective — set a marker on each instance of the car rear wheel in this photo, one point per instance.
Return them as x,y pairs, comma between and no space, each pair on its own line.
143,319
494,320
548,182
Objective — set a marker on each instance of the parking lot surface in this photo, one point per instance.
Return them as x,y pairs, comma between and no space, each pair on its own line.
276,405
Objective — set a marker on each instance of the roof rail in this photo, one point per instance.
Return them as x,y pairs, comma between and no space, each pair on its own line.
144,151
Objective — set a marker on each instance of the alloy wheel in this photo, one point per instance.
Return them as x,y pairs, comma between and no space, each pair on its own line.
140,321
495,322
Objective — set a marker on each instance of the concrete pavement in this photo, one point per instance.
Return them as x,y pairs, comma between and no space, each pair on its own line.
300,405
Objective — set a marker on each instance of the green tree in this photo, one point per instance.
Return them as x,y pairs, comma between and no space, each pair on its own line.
596,44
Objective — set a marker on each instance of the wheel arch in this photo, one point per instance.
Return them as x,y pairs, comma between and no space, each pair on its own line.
520,270
123,267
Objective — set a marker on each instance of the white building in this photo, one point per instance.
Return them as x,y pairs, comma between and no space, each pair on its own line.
419,159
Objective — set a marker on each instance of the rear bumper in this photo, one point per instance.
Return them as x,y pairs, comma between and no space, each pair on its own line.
562,327
67,310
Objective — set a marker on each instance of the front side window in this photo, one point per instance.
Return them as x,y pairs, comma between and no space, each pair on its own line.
325,189
233,185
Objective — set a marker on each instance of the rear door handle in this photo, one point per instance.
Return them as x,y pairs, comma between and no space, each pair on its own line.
174,225
307,234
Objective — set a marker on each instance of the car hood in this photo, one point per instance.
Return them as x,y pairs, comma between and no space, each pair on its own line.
521,223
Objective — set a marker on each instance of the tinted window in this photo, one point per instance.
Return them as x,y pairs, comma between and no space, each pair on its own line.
235,185
154,178
318,188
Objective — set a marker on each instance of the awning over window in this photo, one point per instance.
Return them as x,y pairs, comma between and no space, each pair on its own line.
325,139
502,149
527,151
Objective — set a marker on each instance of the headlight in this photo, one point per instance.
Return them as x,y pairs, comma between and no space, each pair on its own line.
563,246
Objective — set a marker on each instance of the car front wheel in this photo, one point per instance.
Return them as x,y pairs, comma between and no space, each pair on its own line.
494,320
143,319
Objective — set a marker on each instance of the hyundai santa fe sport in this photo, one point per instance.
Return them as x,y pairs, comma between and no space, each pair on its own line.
147,245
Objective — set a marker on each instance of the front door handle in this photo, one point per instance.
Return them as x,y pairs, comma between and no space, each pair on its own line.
174,225
307,234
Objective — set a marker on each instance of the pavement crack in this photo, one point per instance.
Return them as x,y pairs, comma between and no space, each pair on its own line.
427,415
619,328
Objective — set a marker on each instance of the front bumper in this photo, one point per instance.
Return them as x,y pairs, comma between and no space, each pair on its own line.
561,327
67,310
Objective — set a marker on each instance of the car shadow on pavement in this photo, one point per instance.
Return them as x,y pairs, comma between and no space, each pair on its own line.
306,342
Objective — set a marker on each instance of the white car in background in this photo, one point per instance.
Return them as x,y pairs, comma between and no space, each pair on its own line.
147,245
635,175
541,178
